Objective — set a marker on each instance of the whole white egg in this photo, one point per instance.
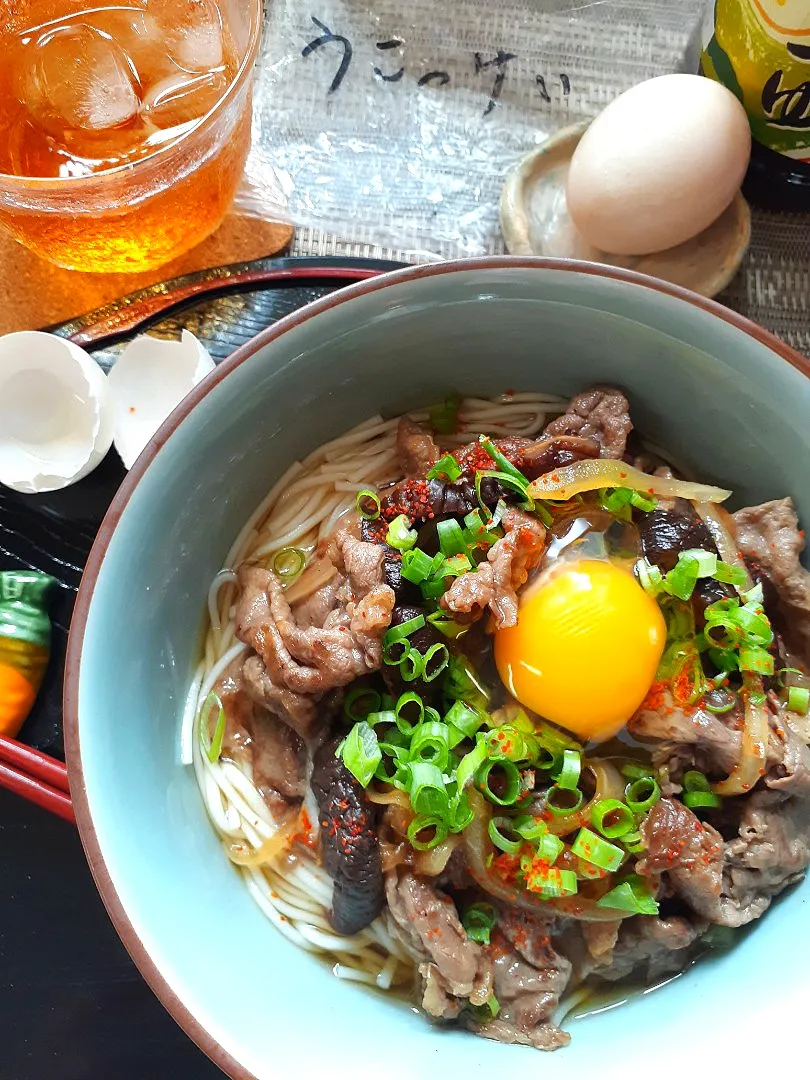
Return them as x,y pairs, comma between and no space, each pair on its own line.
659,165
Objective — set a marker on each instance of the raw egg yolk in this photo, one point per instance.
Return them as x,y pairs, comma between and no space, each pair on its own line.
585,649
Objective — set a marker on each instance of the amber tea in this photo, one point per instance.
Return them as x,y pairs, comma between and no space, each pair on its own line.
122,134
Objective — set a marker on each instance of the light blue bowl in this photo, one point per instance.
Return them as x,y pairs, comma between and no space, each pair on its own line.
723,395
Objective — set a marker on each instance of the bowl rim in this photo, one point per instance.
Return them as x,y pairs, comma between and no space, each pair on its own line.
84,819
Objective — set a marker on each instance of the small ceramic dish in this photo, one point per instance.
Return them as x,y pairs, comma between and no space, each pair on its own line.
535,221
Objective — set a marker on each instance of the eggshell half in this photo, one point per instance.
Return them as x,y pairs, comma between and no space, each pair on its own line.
659,165
56,414
149,379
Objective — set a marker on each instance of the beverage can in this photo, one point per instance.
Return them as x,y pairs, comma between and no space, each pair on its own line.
760,49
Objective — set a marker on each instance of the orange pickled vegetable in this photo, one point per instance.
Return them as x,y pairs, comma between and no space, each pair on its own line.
25,637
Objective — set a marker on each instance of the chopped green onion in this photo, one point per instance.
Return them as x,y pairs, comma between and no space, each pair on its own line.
416,566
594,849
641,795
451,538
696,781
368,504
435,661
756,659
400,535
369,699
460,813
412,665
649,577
725,705
426,823
446,467
612,818
288,563
382,716
478,921
462,682
730,575
633,842
571,768
798,699
487,1012
361,753
444,418
432,590
427,789
466,719
429,742
552,882
643,502
702,800
470,764
633,770
212,749
455,566
503,835
502,461
520,488
511,781
632,895
404,711
548,848
395,639
682,578
449,627
554,739
564,801
530,827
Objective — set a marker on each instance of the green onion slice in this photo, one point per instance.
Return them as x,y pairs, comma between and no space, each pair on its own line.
446,467
430,743
696,781
412,665
288,563
212,749
634,770
633,842
593,849
451,538
564,801
552,883
416,566
470,764
612,818
426,831
427,789
448,627
478,921
502,461
465,718
368,504
798,699
400,535
503,835
435,661
444,418
520,488
631,895
360,702
510,776
702,800
641,795
530,827
409,711
571,768
361,753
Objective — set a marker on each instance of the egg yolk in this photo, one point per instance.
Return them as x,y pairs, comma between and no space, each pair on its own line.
585,649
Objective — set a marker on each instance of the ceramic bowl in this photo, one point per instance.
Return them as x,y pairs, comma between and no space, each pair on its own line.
726,397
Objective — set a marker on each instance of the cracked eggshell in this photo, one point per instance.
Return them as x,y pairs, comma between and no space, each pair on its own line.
149,379
56,414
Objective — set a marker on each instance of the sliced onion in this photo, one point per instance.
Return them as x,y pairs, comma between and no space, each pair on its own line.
609,785
756,731
431,863
270,849
311,578
387,798
564,483
720,524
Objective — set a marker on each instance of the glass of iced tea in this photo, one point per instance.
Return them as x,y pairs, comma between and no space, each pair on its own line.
124,125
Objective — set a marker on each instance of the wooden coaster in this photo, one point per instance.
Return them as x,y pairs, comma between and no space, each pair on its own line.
36,293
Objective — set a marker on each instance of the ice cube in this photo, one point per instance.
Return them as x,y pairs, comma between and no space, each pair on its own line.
78,78
183,98
192,32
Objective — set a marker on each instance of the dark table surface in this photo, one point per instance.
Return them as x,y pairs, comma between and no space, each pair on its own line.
72,1004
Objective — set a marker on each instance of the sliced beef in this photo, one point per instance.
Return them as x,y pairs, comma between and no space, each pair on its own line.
650,947
601,413
530,977
416,450
303,662
453,968
713,740
271,748
494,583
768,535
733,882
349,843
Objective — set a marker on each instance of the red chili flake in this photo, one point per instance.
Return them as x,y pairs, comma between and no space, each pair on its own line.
132,410
622,475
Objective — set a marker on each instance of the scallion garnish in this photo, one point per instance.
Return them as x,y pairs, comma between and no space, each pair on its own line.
400,535
395,645
462,683
571,768
213,748
507,777
633,842
593,849
612,818
451,538
455,566
620,501
416,566
427,789
430,743
798,699
435,661
530,827
547,849
361,753
449,627
631,895
507,481
697,792
470,764
446,467
478,921
641,795
426,831
444,418
368,504
361,701
288,563
503,835
634,770
409,711
412,665
552,882
502,461
563,801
